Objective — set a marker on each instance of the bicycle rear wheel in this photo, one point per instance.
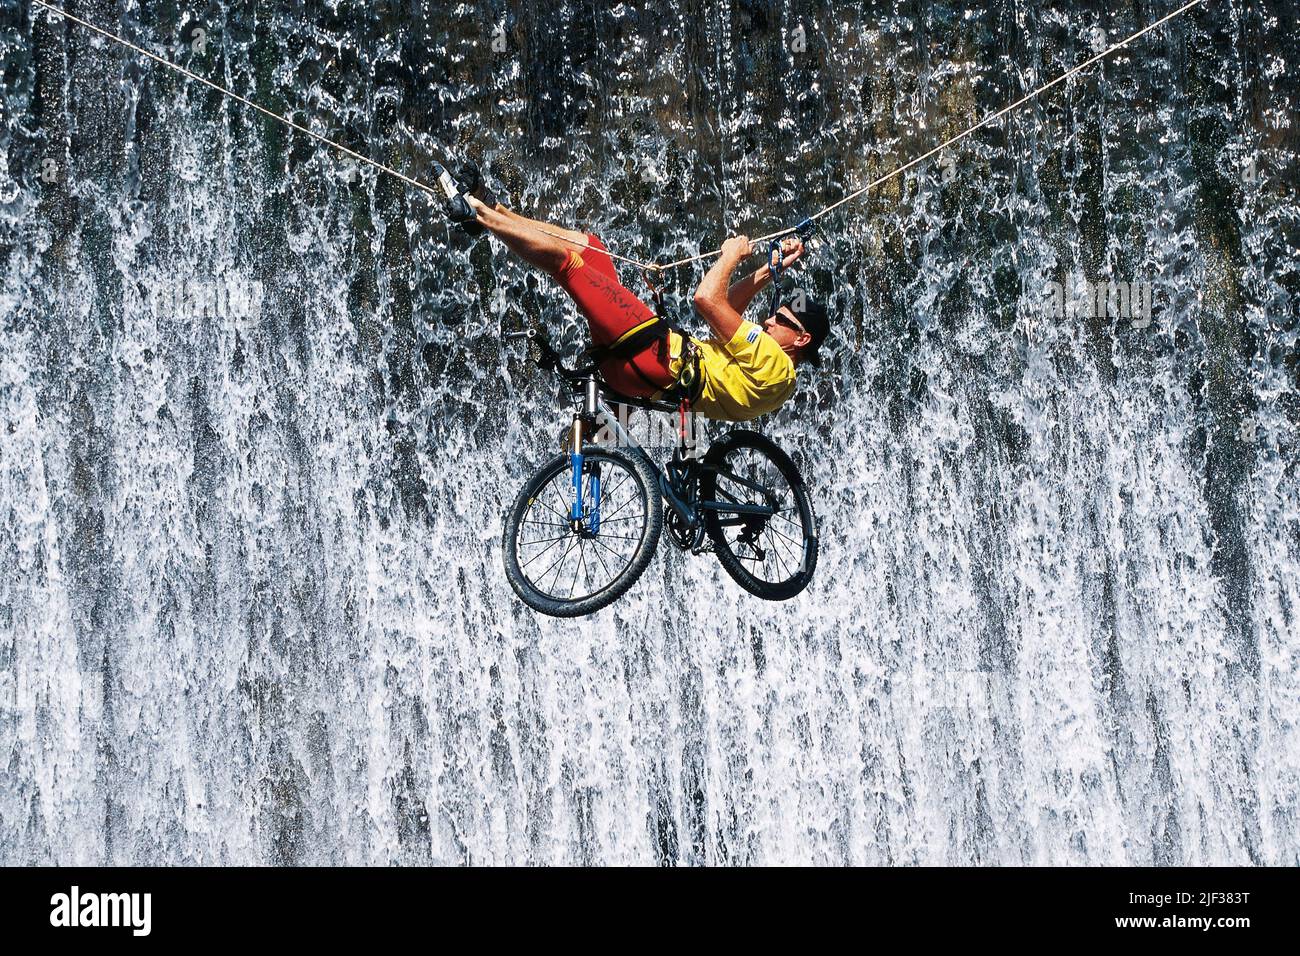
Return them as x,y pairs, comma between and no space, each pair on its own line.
772,556
564,570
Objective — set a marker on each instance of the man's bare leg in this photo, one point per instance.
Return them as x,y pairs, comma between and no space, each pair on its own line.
520,234
577,239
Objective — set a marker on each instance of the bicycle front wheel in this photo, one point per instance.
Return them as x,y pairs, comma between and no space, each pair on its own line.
565,568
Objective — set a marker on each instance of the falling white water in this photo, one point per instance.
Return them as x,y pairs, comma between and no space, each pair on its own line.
258,432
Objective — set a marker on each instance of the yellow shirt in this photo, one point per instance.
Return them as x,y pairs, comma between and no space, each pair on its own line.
749,376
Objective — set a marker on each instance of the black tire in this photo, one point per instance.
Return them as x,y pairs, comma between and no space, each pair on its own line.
790,538
633,551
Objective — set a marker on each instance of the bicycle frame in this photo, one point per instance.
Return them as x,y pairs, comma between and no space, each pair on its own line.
677,482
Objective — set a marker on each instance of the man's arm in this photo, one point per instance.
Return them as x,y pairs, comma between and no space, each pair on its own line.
711,298
742,291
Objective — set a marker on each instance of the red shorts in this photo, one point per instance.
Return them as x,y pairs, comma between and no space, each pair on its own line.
612,311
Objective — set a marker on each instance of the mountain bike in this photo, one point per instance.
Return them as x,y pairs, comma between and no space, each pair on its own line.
586,525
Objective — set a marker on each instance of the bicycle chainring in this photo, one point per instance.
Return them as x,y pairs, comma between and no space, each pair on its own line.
682,534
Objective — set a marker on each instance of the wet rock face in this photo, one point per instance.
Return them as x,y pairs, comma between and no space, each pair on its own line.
258,431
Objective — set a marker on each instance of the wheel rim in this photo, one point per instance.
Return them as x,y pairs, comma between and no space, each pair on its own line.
773,550
562,564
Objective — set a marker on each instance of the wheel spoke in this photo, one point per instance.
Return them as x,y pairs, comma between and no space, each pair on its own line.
582,563
563,512
621,507
601,558
795,525
772,550
795,554
792,541
539,554
546,524
558,561
558,537
547,506
781,543
621,557
609,493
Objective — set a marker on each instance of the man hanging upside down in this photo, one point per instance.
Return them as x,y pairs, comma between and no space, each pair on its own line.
744,370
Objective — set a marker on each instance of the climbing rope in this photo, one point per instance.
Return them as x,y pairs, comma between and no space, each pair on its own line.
949,142
649,268
428,190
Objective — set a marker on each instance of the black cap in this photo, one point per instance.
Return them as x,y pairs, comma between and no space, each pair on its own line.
812,316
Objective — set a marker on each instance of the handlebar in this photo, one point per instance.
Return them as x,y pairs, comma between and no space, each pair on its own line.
548,357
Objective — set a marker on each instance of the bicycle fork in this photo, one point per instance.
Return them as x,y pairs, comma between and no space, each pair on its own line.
578,509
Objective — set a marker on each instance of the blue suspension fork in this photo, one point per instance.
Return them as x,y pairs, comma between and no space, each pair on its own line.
576,504
575,498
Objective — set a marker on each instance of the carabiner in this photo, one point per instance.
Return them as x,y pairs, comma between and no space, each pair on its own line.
655,290
805,230
775,258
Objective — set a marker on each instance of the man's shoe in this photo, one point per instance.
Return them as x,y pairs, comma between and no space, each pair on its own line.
469,176
458,208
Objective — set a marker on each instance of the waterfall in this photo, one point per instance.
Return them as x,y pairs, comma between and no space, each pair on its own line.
259,430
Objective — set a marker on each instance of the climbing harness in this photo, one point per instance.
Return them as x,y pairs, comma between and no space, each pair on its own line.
658,268
655,332
689,382
632,342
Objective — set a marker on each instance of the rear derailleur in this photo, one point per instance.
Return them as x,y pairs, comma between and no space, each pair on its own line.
749,538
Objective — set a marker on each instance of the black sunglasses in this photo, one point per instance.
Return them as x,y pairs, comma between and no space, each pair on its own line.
782,319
